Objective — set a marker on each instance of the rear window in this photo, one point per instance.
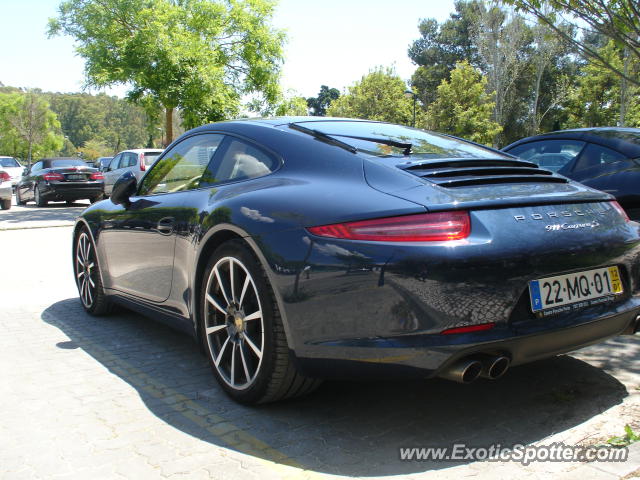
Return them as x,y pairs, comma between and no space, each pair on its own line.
423,144
9,162
151,157
66,163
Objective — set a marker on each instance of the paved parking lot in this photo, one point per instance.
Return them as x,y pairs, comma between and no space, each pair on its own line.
125,397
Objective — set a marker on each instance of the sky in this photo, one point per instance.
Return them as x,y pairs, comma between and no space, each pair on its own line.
330,42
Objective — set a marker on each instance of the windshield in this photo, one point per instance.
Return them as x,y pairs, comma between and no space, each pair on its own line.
423,144
67,163
150,157
8,162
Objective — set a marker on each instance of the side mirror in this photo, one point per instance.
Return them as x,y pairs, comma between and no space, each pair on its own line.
124,188
25,172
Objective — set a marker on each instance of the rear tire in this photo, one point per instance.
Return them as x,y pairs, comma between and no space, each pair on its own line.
86,270
242,331
40,202
6,204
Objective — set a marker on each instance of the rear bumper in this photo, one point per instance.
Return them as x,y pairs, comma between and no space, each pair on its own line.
5,190
71,190
425,356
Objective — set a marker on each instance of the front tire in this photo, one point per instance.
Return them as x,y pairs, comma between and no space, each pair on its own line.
242,330
87,273
6,204
37,196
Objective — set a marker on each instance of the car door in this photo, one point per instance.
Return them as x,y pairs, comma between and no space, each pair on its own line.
606,169
28,182
138,240
111,174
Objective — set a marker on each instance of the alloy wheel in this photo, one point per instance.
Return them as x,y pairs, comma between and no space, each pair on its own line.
233,323
85,270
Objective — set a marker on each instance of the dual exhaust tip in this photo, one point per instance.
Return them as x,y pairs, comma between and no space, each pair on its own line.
493,367
470,369
633,328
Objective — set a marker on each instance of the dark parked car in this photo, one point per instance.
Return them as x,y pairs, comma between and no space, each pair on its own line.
605,158
299,249
55,179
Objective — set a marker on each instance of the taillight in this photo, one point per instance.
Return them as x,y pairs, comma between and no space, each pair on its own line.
143,167
621,211
4,176
469,328
96,176
426,227
53,176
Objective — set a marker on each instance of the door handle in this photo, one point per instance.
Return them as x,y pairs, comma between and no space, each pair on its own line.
165,225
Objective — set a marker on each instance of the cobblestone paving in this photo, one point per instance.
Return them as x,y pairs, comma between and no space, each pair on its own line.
125,397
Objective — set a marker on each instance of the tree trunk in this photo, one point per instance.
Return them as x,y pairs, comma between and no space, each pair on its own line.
168,126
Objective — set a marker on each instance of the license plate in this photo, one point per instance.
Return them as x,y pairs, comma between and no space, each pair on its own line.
575,290
75,177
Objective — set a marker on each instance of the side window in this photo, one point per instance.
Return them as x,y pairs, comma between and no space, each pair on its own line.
182,167
242,161
37,166
549,154
131,160
115,162
596,156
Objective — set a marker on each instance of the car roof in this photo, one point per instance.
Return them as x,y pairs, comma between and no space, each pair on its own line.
141,150
623,139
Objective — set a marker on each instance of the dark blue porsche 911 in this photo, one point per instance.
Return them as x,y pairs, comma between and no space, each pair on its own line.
299,249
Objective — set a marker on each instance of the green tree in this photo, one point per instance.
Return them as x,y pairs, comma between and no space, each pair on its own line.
462,106
294,106
379,95
602,97
441,46
318,105
28,127
618,20
200,56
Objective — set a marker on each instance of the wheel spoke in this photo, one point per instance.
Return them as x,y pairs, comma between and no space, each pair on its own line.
219,357
253,347
253,316
80,261
233,364
231,280
244,364
80,274
247,281
91,282
213,302
224,293
214,329
89,294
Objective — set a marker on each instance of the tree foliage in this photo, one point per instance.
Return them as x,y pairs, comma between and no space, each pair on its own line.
200,56
598,98
441,46
379,95
463,107
318,105
28,128
618,20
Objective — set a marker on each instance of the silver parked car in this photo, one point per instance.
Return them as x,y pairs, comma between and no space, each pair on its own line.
136,161
13,168
5,189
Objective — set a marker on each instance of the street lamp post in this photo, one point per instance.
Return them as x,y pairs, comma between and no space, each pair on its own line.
410,94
